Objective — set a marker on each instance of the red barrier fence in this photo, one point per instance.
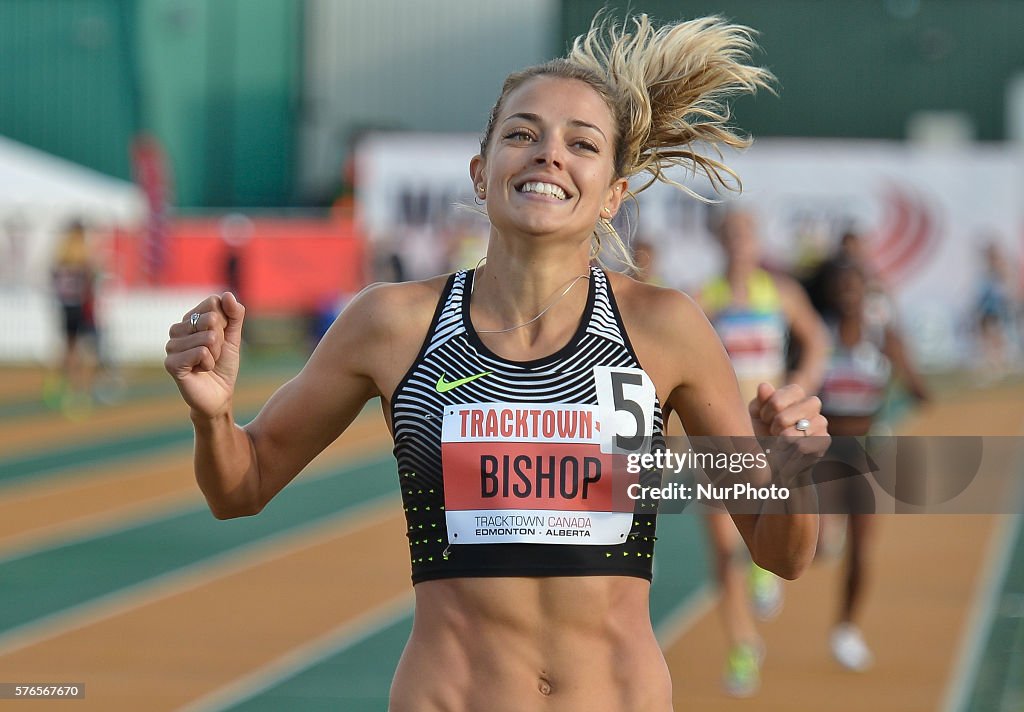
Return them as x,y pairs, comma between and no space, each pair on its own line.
286,265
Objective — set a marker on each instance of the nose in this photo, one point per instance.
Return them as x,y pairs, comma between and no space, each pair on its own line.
550,152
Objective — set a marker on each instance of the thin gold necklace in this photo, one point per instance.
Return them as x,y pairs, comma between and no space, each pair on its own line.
570,285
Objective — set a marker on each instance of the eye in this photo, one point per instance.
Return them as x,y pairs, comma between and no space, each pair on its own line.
519,135
586,145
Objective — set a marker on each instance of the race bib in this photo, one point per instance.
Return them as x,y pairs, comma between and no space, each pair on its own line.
544,473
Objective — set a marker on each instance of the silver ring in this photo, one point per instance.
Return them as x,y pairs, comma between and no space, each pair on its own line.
193,321
802,425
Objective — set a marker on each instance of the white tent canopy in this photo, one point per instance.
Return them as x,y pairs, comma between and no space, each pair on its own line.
34,180
39,195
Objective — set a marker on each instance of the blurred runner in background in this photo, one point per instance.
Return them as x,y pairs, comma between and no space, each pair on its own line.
74,274
865,353
753,311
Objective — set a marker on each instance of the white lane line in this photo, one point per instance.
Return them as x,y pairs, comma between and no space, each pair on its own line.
982,615
200,573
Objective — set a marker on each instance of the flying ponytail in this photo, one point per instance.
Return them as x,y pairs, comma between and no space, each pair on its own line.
674,83
668,89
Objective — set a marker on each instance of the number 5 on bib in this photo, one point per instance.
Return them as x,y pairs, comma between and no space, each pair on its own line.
625,398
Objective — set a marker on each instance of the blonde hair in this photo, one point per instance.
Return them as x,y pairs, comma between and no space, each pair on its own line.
667,89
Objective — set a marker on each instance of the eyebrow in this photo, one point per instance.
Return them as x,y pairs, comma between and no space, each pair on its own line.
572,122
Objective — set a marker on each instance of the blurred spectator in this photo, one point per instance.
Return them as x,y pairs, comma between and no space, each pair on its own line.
74,274
236,231
995,310
324,315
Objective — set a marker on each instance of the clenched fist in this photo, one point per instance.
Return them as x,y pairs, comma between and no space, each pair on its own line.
203,354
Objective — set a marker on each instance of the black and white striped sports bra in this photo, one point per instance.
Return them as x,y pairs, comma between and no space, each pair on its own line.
503,465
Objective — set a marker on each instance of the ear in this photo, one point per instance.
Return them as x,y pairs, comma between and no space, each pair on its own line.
616,194
476,173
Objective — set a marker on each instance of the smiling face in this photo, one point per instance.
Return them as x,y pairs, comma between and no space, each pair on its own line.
548,168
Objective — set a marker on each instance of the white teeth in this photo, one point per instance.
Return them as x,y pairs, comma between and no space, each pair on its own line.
544,188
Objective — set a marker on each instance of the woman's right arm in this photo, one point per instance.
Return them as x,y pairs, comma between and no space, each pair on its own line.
240,469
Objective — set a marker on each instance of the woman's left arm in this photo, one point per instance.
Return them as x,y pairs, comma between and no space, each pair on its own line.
682,346
786,542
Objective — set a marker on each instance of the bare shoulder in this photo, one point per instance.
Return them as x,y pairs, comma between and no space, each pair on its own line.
672,337
386,306
380,331
654,312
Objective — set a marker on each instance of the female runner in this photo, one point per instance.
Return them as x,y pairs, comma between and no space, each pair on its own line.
756,314
865,354
531,591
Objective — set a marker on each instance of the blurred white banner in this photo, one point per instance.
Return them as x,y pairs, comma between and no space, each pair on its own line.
925,214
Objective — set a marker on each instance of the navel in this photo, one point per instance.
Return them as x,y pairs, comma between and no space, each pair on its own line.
544,686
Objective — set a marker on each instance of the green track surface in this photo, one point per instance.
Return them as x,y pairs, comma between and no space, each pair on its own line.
999,680
46,582
50,581
65,460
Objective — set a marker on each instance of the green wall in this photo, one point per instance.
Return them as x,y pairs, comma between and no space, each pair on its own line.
216,82
64,85
860,68
219,81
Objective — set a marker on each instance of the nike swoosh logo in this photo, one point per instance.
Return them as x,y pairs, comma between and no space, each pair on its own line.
444,386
